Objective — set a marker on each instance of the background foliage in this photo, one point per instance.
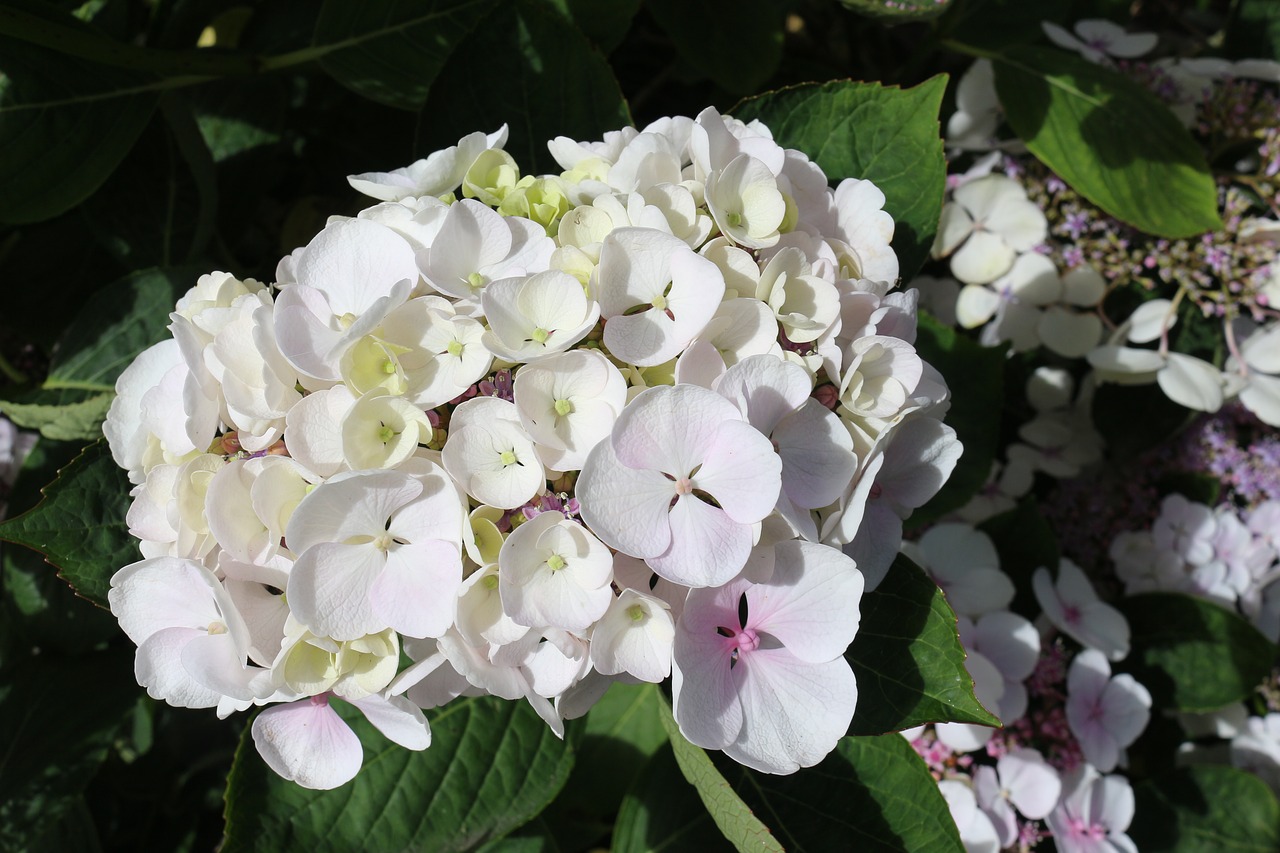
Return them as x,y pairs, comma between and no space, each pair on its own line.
145,141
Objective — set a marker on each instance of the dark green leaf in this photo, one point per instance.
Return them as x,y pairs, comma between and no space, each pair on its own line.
60,717
492,766
534,837
605,22
1205,810
884,134
622,730
975,375
661,812
1110,139
65,124
392,50
871,793
523,54
731,815
1192,654
908,658
898,11
737,43
80,526
999,23
1025,542
1255,31
39,610
120,321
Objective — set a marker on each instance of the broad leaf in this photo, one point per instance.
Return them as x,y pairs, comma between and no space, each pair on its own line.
120,321
908,658
392,50
110,329
898,11
65,124
60,718
1205,810
523,53
604,22
492,766
1111,140
1255,30
661,812
975,375
871,793
80,526
999,23
622,731
884,134
734,818
737,43
1192,654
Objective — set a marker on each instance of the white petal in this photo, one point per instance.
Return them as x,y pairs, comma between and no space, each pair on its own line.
308,743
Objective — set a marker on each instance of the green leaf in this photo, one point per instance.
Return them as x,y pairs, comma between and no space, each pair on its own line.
622,730
908,658
996,24
492,766
60,138
661,812
1205,810
898,11
870,794
63,415
1254,33
884,134
734,818
392,50
80,526
737,43
1192,654
60,718
975,375
604,22
522,54
1025,542
1111,140
111,328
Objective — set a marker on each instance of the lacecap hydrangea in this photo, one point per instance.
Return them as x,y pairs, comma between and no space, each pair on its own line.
660,415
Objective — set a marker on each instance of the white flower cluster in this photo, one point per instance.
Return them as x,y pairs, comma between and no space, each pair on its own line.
634,420
1213,554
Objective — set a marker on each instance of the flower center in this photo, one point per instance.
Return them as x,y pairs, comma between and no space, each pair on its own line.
684,486
507,458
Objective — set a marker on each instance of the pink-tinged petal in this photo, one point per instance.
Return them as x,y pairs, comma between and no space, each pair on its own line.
1126,707
704,696
1033,785
995,805
742,472
625,507
308,743
671,428
416,591
398,719
876,543
707,546
1105,628
1113,805
921,454
794,712
766,389
817,456
158,667
329,589
810,604
1008,641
